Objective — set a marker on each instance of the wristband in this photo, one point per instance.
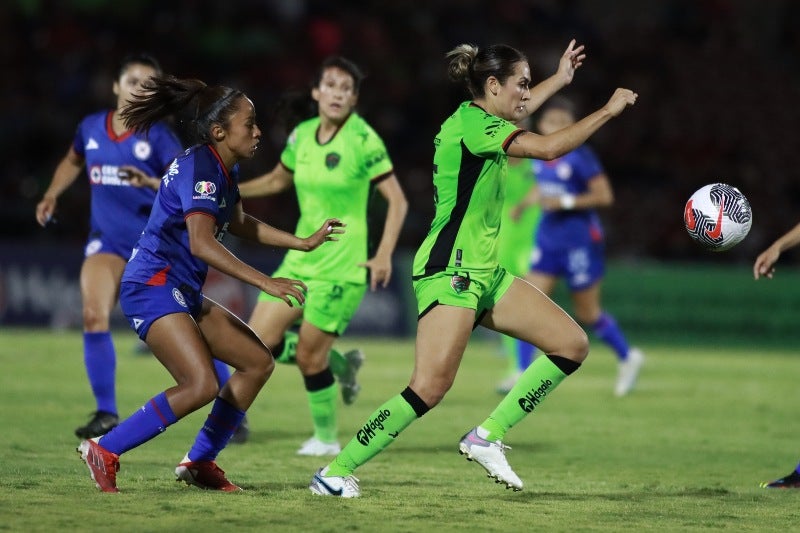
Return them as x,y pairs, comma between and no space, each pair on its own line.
567,201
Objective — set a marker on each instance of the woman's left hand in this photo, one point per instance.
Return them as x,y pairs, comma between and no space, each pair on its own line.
570,61
328,232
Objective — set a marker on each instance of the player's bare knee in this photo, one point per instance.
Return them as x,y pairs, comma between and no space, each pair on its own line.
577,347
94,319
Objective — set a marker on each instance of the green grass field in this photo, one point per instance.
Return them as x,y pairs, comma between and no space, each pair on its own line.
686,451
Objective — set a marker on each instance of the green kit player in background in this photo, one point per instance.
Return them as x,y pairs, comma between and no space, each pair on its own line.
458,281
514,248
335,160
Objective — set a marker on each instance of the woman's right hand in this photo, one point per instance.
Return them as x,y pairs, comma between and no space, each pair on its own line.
45,209
285,288
621,99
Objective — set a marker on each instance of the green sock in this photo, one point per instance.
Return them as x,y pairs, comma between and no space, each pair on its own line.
337,362
510,352
533,386
288,355
322,404
380,430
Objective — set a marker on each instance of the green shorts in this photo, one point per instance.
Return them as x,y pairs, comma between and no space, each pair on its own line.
477,289
329,306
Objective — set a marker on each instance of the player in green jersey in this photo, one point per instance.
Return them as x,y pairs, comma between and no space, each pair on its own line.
334,160
457,279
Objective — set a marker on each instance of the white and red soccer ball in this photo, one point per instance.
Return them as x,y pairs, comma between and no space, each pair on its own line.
718,216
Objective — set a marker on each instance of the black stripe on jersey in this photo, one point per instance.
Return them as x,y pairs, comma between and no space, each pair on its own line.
468,173
510,138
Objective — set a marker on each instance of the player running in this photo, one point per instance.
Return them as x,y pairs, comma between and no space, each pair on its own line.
123,167
161,295
569,240
334,160
457,279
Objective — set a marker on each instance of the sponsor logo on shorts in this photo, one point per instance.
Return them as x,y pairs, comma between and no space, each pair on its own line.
367,433
534,396
178,295
460,283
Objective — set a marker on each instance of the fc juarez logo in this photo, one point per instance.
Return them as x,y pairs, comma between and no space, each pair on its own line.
459,283
332,160
534,396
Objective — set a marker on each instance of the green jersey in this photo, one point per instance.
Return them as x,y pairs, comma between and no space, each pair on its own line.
515,241
332,180
469,170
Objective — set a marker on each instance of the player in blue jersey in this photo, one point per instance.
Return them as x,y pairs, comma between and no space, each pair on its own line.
569,239
197,203
764,265
115,158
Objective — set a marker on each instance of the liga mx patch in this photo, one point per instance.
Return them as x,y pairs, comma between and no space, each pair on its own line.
460,283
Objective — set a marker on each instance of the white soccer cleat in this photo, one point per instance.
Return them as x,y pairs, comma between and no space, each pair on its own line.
491,456
316,448
344,487
629,372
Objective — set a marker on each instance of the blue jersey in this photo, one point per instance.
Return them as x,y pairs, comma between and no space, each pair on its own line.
569,174
119,211
198,184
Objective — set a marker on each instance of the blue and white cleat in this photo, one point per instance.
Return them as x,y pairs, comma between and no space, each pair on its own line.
344,487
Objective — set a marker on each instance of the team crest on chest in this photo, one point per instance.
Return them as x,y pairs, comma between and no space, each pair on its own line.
332,160
142,150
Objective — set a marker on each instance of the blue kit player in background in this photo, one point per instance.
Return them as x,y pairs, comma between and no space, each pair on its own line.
569,241
123,168
197,203
765,266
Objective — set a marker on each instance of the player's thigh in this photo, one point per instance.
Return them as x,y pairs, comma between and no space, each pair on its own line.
442,337
230,339
177,343
100,277
271,318
542,281
526,313
587,303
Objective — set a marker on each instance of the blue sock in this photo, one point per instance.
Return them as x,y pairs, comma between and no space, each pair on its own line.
223,372
151,419
525,353
608,331
220,426
100,360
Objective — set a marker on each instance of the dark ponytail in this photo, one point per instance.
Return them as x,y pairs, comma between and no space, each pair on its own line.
196,104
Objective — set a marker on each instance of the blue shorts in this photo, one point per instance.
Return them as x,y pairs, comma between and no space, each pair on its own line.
581,266
144,304
98,244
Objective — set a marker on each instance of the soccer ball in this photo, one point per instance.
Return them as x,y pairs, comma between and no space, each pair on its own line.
718,216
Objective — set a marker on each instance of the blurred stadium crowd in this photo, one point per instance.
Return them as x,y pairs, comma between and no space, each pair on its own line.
717,81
